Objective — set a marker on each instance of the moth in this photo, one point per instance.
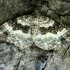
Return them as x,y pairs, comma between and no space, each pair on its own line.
41,31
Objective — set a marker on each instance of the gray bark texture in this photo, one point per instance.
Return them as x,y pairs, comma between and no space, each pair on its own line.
35,58
10,9
59,10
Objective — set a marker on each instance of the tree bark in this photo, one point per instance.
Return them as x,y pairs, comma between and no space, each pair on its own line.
58,10
10,9
34,58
